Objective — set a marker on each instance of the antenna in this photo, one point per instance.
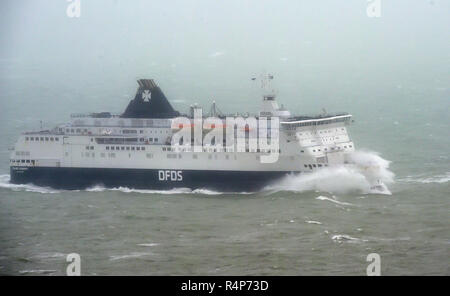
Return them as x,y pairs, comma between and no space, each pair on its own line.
214,111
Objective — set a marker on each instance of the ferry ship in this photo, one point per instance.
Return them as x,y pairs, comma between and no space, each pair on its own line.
135,149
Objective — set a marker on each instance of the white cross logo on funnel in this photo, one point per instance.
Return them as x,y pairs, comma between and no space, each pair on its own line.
146,95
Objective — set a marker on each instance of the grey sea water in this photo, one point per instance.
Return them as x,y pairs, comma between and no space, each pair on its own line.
393,82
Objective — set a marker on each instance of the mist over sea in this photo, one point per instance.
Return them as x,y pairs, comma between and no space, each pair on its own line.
391,73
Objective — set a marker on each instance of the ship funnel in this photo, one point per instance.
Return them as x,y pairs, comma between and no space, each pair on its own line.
149,102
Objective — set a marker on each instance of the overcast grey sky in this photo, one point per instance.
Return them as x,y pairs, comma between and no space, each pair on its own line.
217,45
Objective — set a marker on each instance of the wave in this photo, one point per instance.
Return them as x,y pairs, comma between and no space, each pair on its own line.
368,173
148,245
49,256
4,183
38,271
334,200
441,178
150,191
129,256
313,222
340,238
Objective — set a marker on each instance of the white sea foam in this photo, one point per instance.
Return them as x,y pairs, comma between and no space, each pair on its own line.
49,255
38,271
169,191
346,238
313,222
334,200
148,245
439,179
367,169
129,256
4,183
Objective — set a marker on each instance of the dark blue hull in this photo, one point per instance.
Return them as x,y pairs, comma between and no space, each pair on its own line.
81,178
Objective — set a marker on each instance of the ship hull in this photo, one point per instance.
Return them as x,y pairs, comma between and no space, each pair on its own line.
81,178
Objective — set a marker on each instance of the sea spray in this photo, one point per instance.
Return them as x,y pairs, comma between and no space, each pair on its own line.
5,183
365,169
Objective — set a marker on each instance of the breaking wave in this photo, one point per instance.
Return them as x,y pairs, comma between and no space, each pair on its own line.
368,174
